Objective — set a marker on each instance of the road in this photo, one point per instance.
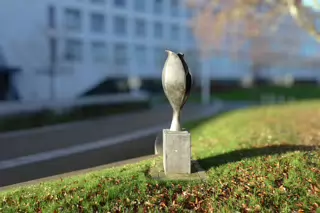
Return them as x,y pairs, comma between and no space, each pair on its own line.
39,153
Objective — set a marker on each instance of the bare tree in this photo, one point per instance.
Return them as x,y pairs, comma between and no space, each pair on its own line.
305,17
228,27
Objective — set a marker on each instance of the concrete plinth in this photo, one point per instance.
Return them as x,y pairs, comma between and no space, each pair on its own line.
176,152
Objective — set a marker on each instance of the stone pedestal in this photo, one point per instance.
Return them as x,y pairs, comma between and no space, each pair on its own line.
176,152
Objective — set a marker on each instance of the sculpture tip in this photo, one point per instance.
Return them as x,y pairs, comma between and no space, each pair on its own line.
168,51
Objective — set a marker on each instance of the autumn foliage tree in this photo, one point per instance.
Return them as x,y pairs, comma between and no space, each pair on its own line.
218,24
215,20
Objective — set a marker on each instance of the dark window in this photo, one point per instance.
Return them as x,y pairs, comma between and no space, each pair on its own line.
73,50
158,6
120,3
53,50
98,1
51,16
119,25
140,28
97,22
120,54
158,30
73,20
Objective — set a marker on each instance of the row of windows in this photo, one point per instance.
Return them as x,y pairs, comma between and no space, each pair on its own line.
158,6
74,51
73,22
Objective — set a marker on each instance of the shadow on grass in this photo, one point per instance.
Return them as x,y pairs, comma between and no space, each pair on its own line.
239,155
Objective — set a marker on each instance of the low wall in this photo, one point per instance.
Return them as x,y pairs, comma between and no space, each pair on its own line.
15,107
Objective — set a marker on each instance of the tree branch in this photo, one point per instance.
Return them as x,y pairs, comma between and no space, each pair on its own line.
300,16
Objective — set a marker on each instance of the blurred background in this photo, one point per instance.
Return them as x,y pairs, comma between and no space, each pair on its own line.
87,55
96,65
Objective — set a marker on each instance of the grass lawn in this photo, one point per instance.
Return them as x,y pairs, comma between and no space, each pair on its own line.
258,160
299,92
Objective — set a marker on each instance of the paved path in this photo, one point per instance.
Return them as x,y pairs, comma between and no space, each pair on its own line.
28,155
24,143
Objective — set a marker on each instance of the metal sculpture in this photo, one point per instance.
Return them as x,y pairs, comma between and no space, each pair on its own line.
176,83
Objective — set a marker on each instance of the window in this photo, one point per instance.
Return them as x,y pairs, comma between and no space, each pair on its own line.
51,17
140,28
140,5
52,50
140,53
189,34
159,57
2,58
97,23
98,1
158,6
120,54
120,25
73,50
99,51
174,7
189,13
73,19
119,3
158,30
175,32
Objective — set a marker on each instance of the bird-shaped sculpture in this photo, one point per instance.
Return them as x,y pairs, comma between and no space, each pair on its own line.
176,83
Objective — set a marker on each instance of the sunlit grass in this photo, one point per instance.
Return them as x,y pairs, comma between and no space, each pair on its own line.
261,159
298,92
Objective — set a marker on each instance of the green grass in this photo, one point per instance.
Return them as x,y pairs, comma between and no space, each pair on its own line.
260,159
299,92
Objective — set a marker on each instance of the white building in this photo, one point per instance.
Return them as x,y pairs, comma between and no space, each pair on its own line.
84,42
64,48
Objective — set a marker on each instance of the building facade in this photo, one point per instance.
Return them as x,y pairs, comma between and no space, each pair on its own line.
67,47
64,48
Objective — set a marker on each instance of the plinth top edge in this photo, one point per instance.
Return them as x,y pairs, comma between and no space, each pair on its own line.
175,132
